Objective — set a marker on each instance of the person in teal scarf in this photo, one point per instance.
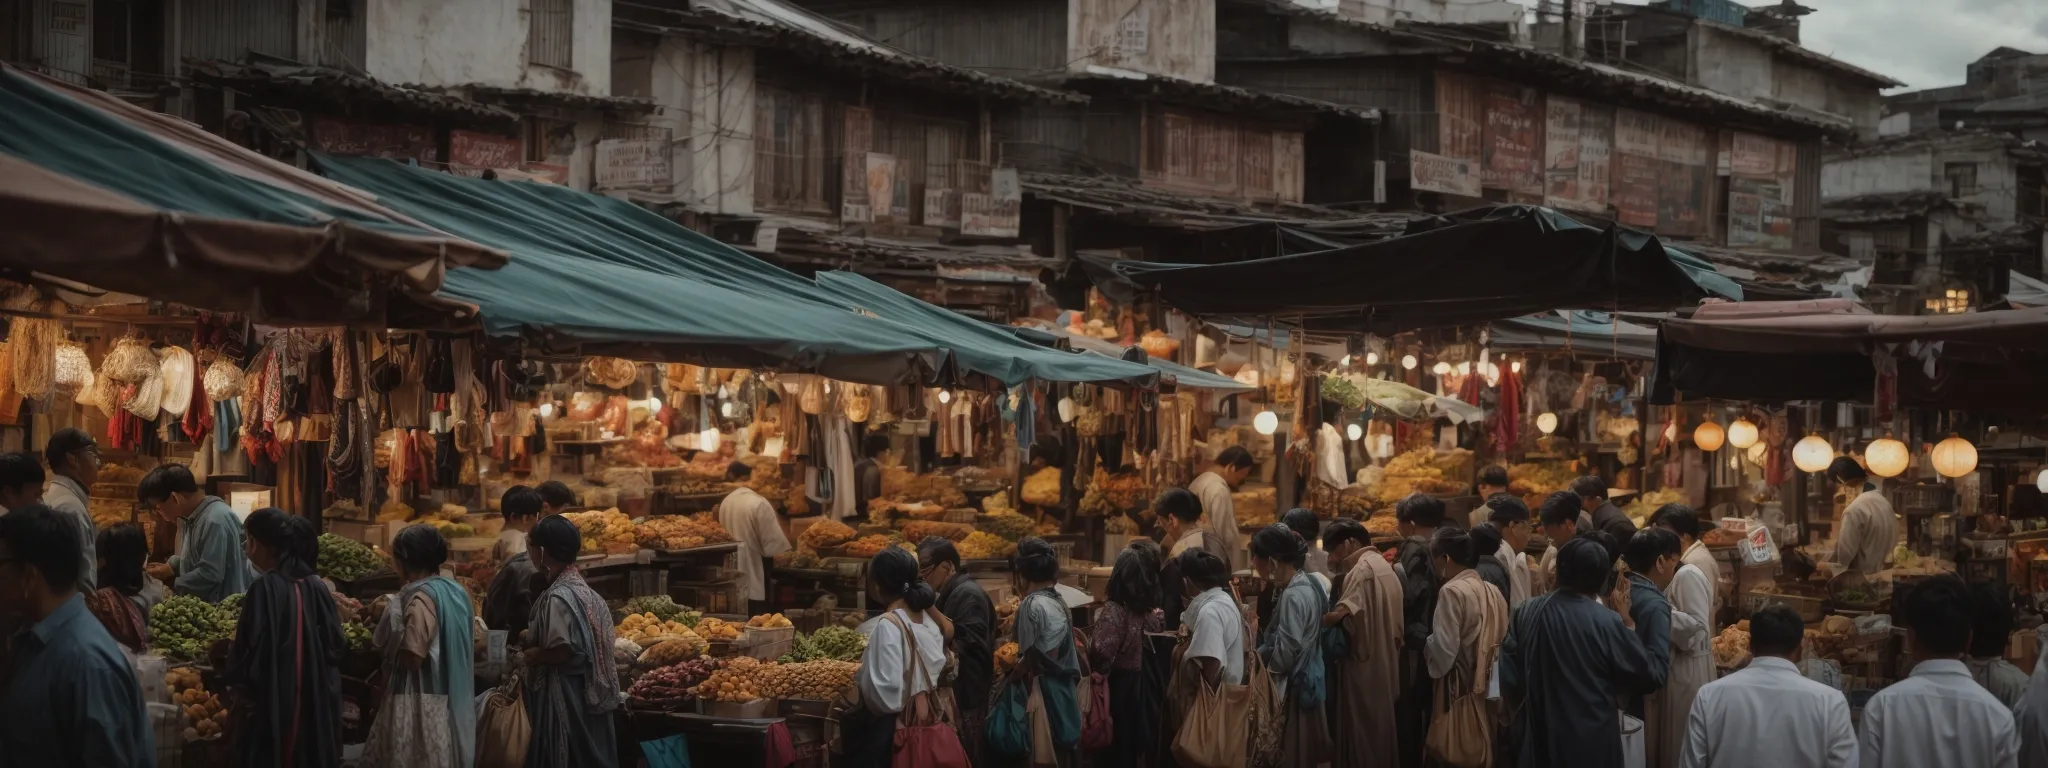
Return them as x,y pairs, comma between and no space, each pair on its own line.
572,685
426,634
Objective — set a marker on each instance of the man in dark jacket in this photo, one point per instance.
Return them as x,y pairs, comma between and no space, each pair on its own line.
963,601
1600,513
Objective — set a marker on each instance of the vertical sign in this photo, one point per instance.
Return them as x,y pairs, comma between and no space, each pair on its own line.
994,214
1134,33
853,171
1596,157
1461,117
1760,191
1637,165
880,172
1682,152
1513,139
1561,153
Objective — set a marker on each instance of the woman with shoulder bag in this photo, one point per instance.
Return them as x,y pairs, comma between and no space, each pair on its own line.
899,721
1043,685
1292,646
1118,645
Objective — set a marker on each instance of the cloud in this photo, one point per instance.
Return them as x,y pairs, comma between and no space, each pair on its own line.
1926,43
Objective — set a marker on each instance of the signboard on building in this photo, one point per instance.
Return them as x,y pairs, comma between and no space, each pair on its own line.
1287,165
997,213
1513,138
880,172
396,142
942,207
471,153
633,163
1636,133
1446,175
853,172
1634,195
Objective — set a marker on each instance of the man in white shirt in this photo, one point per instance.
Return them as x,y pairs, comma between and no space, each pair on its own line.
1511,516
1768,714
1938,717
751,520
1684,521
1213,487
75,459
1868,525
1987,648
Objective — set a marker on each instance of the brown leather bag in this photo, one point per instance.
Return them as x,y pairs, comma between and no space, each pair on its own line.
1461,733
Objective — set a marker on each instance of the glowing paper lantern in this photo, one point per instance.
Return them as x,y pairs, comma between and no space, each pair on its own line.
1353,431
1886,457
1708,436
945,396
2041,481
1546,423
1742,433
1441,369
1266,422
1955,457
1066,410
1812,454
1408,362
1372,358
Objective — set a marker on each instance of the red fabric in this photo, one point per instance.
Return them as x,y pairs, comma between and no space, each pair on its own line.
198,421
1098,730
124,430
781,753
934,745
1507,419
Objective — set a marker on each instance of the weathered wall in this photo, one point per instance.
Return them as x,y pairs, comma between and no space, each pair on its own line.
1731,65
1437,11
1018,39
1173,39
1906,171
706,97
483,42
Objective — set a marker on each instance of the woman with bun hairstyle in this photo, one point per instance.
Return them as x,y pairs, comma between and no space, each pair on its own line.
909,625
571,677
1044,632
1292,647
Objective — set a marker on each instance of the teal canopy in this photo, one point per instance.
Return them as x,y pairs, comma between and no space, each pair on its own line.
103,192
601,276
980,347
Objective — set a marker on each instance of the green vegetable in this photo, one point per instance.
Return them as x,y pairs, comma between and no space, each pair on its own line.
1341,391
346,559
834,643
184,627
357,635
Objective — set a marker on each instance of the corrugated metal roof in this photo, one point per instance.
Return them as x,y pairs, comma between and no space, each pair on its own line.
325,84
1217,95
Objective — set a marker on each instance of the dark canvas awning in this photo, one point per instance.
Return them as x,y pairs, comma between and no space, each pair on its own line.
1482,265
1591,333
100,191
1987,362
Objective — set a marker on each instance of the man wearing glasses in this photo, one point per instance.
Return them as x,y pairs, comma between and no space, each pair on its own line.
966,604
75,459
210,564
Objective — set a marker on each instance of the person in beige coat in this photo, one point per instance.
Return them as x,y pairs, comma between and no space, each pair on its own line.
1366,678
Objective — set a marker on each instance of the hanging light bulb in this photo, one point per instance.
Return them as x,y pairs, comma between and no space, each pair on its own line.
1344,363
1708,436
1742,434
547,410
1441,369
725,409
945,396
1546,422
722,395
1954,457
1812,453
1517,367
1372,358
1354,432
1886,457
1066,409
1408,362
708,439
1266,422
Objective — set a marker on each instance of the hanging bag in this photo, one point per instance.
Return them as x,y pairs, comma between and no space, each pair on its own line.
1008,728
924,739
1461,733
502,730
1098,728
1215,733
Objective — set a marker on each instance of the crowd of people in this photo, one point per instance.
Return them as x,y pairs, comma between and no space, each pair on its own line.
1449,648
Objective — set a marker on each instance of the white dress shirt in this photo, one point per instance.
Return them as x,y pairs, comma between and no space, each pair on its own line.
1938,718
2000,677
1698,556
1768,714
1220,513
1517,567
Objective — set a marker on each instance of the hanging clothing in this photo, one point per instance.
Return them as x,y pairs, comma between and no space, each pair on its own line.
1565,659
285,673
837,433
1369,673
570,704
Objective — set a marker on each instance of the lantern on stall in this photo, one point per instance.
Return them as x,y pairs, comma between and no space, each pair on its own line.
1546,422
1354,432
1441,369
1954,457
1812,453
1266,422
1708,436
1742,433
1408,362
2041,481
1066,408
1372,358
1886,457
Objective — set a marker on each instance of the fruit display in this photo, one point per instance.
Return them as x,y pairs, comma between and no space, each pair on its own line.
1731,647
918,530
908,487
1006,658
672,682
1383,525
183,627
1009,525
716,630
664,608
820,680
476,574
981,545
737,680
608,532
204,713
837,643
1532,482
769,621
451,529
1413,472
825,534
357,634
996,503
870,545
107,513
1042,488
641,627
344,559
679,648
1647,504
801,557
674,532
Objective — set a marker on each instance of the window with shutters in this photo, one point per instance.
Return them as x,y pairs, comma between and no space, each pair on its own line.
549,30
1962,178
791,151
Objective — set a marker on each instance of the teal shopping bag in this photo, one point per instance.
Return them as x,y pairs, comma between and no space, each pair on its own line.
671,752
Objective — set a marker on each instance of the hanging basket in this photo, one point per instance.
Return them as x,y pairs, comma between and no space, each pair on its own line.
74,369
130,362
223,380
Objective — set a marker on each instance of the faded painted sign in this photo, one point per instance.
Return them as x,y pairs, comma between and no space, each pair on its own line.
1447,175
1513,139
1596,157
1134,33
1635,189
396,142
1760,191
880,172
996,213
1682,151
853,171
1287,165
1636,133
471,153
942,208
1461,117
627,163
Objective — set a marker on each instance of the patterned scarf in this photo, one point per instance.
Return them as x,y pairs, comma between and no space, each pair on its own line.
121,617
601,688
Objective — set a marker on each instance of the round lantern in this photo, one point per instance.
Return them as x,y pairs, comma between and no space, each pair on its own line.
2041,481
1517,367
1812,454
1955,457
1408,362
1354,432
1546,422
1708,436
547,410
1742,433
1266,422
1372,358
945,396
1066,408
1344,363
1886,457
724,409
1441,369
